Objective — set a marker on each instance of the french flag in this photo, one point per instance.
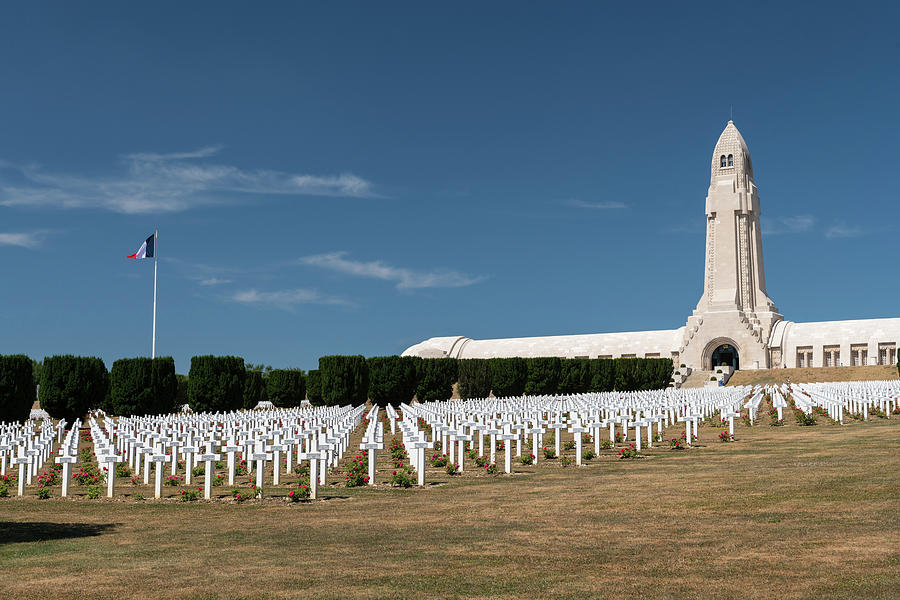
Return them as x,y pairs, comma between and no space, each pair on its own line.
146,249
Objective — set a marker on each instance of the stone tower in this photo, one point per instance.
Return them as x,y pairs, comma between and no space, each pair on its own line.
735,313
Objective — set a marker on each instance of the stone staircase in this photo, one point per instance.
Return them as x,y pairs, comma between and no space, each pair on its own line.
697,379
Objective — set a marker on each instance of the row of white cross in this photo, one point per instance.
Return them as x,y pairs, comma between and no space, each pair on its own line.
318,435
455,423
853,397
835,398
28,445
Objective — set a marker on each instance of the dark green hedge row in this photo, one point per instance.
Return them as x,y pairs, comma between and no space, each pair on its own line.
552,375
286,388
17,389
314,386
72,385
142,386
395,379
392,379
216,383
344,379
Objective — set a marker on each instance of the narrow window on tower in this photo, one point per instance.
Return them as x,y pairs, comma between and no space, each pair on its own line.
731,160
722,161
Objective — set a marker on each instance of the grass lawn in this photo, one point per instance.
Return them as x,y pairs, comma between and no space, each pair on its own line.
813,374
792,512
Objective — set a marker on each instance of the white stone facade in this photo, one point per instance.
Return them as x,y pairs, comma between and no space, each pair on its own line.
734,314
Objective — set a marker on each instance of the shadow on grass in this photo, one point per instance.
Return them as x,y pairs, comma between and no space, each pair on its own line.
38,531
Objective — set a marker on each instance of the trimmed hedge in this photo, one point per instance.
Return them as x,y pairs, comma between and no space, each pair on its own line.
72,385
392,379
216,383
165,385
181,394
286,388
345,380
435,378
574,376
17,393
254,389
314,386
474,378
543,375
603,375
509,376
142,386
633,374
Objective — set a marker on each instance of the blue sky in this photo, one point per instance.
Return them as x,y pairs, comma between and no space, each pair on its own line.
356,177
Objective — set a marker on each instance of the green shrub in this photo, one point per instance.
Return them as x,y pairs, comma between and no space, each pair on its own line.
72,385
392,379
345,380
216,383
474,378
93,492
603,375
804,419
543,375
627,374
435,378
286,388
17,390
314,386
403,477
164,383
634,374
181,391
142,386
357,471
254,389
509,376
189,495
129,387
574,376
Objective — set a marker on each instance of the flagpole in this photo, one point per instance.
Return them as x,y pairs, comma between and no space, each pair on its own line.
155,264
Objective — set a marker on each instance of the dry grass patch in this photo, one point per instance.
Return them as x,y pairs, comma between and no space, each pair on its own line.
781,513
814,375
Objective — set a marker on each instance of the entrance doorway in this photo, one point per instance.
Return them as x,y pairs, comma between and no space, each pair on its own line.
725,355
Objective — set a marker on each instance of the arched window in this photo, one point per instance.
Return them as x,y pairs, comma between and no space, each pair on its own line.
722,161
731,160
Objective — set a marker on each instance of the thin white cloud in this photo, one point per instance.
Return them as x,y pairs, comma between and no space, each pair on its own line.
843,231
23,240
404,278
611,205
285,298
214,281
786,225
159,183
